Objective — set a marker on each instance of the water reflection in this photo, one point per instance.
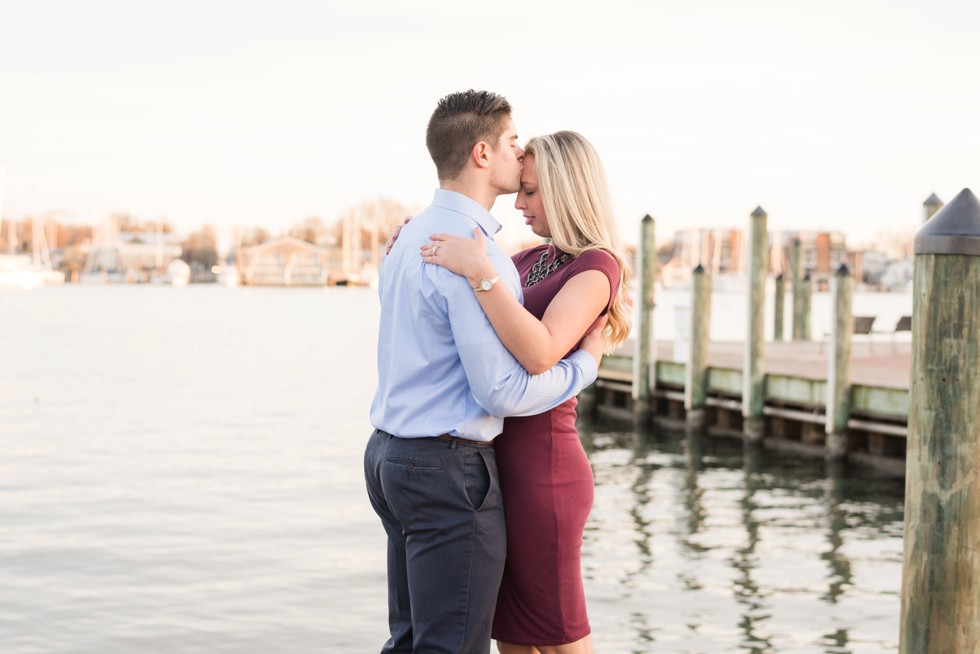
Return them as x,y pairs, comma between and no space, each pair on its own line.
693,452
640,490
840,566
745,560
715,546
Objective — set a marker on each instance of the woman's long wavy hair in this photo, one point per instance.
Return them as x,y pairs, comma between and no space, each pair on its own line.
576,199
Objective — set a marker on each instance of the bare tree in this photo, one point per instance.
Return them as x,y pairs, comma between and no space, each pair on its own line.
254,236
896,243
312,230
127,222
369,221
201,248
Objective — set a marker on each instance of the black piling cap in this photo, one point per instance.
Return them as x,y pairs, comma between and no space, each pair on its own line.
699,270
759,213
843,270
647,218
780,277
933,201
955,229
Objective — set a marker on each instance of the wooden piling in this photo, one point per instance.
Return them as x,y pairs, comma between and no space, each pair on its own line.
696,367
839,365
931,206
643,360
941,568
753,375
780,308
796,270
806,303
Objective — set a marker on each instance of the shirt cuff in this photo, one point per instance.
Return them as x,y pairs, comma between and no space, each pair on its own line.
588,365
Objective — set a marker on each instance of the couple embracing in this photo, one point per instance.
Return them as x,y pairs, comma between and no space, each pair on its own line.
484,515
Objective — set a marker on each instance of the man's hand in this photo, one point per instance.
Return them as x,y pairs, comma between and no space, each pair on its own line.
594,342
394,234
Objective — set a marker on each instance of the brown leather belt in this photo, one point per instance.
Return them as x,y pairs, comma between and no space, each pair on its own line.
447,437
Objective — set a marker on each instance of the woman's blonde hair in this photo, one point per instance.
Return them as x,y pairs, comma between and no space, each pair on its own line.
576,199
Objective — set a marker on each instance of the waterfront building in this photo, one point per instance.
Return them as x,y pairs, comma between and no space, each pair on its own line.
132,257
288,261
722,252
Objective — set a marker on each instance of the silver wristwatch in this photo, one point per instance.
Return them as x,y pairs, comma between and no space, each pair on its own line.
486,284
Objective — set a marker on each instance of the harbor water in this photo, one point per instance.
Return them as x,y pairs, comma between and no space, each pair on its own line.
180,472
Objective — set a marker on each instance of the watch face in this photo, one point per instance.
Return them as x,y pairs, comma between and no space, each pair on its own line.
486,284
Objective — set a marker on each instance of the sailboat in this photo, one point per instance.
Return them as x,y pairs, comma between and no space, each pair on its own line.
21,270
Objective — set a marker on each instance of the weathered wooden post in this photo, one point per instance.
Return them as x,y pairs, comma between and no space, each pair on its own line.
753,375
643,355
941,570
806,303
780,308
696,368
796,269
839,365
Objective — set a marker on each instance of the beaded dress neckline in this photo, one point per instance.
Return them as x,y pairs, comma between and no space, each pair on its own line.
541,268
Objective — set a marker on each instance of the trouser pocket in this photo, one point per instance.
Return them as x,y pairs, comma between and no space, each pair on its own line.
480,473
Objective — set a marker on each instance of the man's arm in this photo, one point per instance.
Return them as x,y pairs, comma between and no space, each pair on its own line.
510,390
498,382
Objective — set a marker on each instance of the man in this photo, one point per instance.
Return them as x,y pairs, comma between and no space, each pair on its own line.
444,381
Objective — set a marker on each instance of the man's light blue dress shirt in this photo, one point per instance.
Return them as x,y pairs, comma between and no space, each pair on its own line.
441,367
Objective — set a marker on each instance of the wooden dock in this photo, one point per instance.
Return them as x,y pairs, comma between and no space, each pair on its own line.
853,400
795,395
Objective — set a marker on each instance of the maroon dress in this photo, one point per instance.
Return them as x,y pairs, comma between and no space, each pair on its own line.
547,487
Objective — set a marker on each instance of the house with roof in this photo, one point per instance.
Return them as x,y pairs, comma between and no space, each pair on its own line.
288,261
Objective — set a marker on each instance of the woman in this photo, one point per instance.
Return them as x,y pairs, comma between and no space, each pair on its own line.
570,286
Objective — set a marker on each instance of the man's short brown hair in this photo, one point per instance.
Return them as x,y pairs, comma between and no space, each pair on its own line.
460,121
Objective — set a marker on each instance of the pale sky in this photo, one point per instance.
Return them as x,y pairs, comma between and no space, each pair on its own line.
838,114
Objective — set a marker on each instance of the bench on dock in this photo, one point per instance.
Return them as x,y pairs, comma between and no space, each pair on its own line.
864,326
904,324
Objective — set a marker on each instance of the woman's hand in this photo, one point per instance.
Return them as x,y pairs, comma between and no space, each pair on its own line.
595,342
394,234
463,256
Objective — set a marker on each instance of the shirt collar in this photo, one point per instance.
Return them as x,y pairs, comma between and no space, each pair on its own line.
460,203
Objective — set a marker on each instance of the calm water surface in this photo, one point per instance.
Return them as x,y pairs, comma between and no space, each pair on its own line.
180,471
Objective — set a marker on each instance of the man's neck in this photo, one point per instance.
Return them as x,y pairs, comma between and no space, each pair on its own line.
473,189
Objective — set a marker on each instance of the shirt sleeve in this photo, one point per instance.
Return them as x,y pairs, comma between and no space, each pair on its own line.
497,380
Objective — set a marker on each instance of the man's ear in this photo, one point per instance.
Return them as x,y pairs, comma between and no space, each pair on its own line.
481,154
